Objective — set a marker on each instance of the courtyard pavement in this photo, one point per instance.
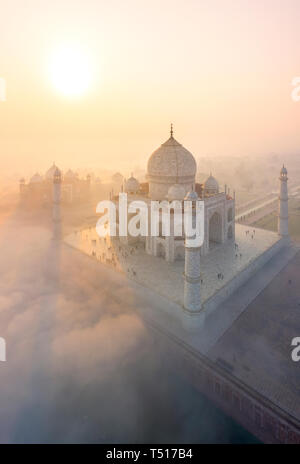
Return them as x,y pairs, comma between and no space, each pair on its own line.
166,278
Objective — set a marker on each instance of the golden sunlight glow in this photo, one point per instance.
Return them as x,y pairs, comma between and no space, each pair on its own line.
70,71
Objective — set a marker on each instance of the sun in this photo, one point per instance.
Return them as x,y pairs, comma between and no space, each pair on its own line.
70,71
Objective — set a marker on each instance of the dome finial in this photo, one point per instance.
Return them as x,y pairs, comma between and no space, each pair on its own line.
171,131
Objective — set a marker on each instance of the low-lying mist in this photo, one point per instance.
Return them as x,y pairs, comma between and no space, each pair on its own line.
81,365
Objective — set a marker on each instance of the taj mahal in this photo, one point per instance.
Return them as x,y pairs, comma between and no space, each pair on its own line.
171,173
197,279
209,301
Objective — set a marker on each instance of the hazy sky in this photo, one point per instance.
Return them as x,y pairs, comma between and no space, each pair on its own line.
220,70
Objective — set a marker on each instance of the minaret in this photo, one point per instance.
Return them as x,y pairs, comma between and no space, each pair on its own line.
88,183
192,276
56,204
22,187
283,213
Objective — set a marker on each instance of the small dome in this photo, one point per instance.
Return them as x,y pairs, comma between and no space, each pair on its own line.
36,179
192,196
70,174
283,170
117,177
211,185
132,185
176,192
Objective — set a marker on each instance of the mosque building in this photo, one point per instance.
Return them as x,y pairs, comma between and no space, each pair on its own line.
39,188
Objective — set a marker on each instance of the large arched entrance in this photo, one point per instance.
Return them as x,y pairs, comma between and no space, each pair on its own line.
215,230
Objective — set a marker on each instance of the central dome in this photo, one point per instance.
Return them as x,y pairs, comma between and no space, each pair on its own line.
171,159
170,164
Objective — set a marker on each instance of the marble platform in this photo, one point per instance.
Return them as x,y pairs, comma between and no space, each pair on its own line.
166,278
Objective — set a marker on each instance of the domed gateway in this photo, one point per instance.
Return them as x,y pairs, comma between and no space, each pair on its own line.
170,164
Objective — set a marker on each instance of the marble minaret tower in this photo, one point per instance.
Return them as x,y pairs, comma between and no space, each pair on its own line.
192,276
283,215
56,204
